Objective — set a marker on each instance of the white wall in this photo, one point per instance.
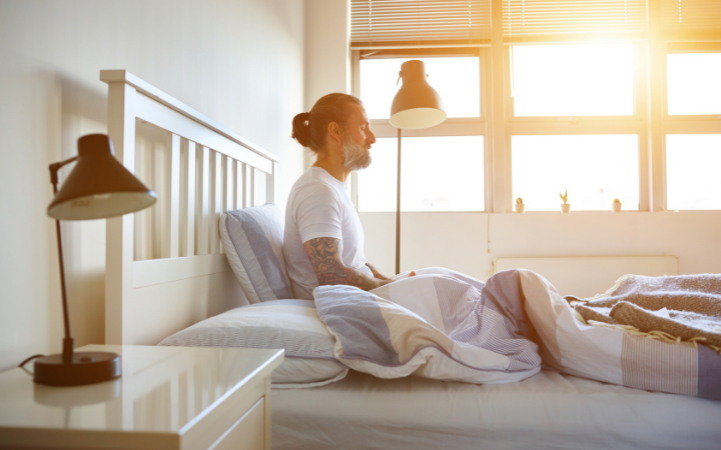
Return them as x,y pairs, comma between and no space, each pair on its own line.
241,62
327,67
327,49
468,242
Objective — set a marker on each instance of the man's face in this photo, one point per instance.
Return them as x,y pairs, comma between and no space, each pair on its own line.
357,139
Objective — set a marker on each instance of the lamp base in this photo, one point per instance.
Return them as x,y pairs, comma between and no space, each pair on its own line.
86,368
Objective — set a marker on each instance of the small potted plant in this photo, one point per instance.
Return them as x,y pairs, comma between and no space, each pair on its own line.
520,206
616,205
565,207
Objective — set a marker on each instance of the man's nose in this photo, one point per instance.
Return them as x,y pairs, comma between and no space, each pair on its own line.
372,138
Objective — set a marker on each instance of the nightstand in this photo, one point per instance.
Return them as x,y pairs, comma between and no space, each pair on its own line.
182,398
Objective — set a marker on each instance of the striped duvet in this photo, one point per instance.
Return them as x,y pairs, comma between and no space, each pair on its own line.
438,324
443,325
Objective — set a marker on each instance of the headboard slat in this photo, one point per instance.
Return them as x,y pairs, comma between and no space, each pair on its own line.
216,183
238,175
249,186
175,187
229,184
187,199
158,239
203,213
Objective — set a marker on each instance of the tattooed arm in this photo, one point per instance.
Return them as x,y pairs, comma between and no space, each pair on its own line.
324,254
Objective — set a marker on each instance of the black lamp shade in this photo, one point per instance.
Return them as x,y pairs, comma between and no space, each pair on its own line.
99,185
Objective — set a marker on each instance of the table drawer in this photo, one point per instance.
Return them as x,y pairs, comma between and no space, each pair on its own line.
248,433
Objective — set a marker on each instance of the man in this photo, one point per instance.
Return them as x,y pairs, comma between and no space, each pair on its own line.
324,244
323,241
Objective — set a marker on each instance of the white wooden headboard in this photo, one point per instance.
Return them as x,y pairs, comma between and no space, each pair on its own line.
165,269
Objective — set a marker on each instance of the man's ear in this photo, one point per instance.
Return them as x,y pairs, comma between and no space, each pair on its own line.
335,132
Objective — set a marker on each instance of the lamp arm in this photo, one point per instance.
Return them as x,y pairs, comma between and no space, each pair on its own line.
67,340
54,168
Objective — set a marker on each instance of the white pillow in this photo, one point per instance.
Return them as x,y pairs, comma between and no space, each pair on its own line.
292,325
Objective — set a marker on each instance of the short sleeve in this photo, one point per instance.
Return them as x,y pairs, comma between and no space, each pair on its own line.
318,213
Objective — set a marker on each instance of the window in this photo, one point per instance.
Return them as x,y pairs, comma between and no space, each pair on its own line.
594,170
592,100
439,173
693,126
443,167
591,156
693,83
572,80
693,162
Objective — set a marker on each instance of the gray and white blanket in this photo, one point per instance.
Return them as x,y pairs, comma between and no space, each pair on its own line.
443,325
438,324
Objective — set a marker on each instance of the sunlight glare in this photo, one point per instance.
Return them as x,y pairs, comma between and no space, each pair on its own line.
694,83
573,80
692,171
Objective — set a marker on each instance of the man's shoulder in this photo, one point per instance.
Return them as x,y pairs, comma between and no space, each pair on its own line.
314,187
314,183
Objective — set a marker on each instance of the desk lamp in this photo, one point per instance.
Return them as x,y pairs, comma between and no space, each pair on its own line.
416,105
98,187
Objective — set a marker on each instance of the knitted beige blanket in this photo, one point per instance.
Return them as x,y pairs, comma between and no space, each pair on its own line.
685,306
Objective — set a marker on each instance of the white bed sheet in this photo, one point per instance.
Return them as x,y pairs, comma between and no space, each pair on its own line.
546,411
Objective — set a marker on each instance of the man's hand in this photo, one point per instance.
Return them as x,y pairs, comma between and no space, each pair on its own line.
377,274
324,254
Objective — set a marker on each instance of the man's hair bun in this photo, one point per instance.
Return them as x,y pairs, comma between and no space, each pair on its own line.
301,129
310,129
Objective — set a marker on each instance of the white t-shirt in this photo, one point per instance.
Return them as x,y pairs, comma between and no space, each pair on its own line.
319,206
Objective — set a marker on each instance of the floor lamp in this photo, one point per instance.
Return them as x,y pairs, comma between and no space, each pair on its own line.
416,105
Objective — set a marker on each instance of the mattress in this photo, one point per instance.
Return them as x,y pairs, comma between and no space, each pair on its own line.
547,411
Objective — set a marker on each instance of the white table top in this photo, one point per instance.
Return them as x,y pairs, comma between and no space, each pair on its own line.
162,389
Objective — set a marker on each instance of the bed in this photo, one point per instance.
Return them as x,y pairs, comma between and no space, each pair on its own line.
168,271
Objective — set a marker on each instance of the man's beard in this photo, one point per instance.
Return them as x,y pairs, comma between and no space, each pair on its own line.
355,156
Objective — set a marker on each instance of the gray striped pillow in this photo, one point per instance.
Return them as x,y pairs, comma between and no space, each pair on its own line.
253,242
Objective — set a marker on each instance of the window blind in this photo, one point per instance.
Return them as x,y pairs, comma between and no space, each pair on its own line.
691,19
388,23
540,19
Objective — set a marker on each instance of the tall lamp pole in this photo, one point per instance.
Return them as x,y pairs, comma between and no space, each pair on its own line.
398,207
416,105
